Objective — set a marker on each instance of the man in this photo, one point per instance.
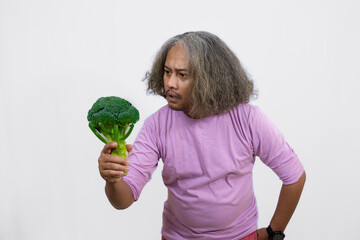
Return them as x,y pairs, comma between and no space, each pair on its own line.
207,137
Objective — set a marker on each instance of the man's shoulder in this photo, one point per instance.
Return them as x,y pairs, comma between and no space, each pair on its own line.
245,109
245,113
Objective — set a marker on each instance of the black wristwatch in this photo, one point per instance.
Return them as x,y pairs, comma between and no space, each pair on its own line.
277,235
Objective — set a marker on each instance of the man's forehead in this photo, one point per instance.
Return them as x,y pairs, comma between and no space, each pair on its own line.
177,58
176,69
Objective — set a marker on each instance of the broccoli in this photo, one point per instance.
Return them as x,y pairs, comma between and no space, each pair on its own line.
112,119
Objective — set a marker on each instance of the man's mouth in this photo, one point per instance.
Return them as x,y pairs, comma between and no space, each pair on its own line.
172,96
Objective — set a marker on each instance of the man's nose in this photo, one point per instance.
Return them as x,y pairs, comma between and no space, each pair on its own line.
173,81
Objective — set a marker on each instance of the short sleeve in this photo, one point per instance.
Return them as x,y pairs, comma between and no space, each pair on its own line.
270,146
143,159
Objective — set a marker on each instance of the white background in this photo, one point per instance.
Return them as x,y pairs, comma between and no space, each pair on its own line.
58,57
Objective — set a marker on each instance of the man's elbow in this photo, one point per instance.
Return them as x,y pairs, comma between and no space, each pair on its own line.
123,205
119,195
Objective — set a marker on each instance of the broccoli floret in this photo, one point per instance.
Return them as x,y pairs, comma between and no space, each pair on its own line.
112,119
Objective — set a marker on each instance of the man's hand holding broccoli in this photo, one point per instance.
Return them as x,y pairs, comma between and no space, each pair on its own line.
112,167
112,120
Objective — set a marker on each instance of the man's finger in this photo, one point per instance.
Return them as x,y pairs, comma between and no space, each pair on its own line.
116,167
114,159
108,147
112,174
129,147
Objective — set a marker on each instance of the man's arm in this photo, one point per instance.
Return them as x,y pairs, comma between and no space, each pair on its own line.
119,194
288,200
112,170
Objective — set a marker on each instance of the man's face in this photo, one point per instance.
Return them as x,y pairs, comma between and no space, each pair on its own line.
177,82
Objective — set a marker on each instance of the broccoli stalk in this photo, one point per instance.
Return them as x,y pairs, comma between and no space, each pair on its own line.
112,119
116,134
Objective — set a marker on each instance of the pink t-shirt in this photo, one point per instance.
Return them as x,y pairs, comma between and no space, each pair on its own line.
208,167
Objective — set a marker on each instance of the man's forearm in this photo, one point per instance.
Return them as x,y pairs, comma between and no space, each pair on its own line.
288,200
119,194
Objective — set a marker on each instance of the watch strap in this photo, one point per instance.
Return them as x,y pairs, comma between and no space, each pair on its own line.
272,233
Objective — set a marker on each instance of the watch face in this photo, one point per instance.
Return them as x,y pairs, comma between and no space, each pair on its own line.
278,236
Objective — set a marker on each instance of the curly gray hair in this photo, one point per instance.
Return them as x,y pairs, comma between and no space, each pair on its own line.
219,81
